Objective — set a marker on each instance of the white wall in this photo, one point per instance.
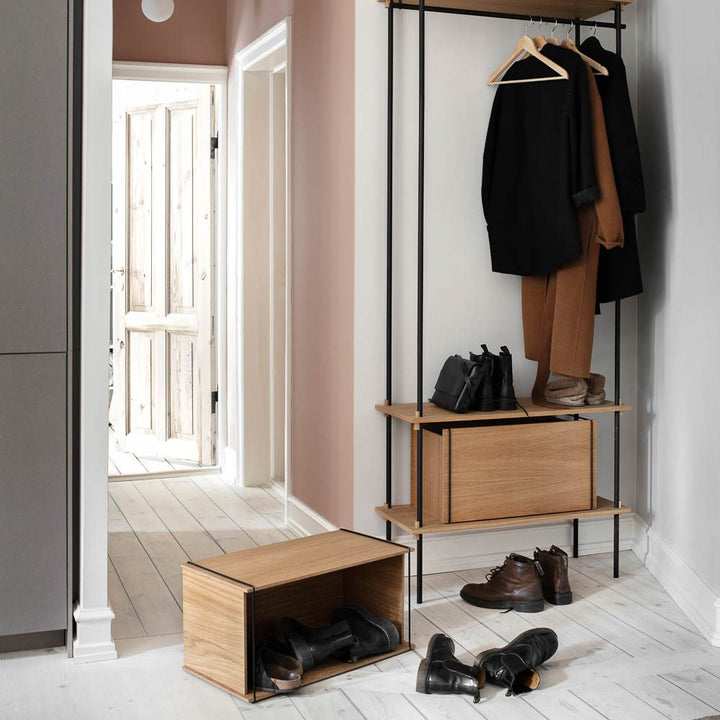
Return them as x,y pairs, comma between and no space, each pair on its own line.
466,303
678,340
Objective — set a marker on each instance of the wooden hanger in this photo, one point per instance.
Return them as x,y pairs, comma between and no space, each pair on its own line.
525,44
552,39
596,66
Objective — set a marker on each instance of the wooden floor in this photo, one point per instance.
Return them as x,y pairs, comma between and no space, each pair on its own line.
127,464
626,651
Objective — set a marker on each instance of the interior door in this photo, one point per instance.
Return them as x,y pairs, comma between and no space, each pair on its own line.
163,257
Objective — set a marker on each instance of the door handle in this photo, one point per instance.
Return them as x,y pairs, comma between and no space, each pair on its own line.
119,271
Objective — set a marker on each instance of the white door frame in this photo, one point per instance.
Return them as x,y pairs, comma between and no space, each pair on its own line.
93,615
275,38
210,75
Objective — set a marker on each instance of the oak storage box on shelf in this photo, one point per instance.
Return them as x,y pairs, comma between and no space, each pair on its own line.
506,470
232,602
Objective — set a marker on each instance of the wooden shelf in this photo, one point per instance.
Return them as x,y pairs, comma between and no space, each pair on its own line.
434,414
327,669
405,517
567,9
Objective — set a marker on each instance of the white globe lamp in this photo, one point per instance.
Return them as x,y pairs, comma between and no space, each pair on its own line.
158,10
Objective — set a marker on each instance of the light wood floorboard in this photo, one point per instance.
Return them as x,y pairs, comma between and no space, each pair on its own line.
626,650
126,464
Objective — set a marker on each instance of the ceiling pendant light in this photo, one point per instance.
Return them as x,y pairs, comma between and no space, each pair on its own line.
158,10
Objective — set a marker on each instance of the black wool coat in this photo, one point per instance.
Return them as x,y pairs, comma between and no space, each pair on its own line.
538,166
619,274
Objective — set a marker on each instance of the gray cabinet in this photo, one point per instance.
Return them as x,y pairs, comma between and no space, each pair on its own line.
33,493
33,176
35,416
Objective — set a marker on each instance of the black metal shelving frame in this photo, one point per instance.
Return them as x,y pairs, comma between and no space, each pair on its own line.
422,8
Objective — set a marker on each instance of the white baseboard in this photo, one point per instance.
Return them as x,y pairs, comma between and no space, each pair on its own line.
681,582
447,552
304,519
93,641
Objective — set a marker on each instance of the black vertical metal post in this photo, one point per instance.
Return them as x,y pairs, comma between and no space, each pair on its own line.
616,433
576,522
575,539
576,417
420,284
577,33
389,286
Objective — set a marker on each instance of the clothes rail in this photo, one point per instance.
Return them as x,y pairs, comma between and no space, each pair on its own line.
422,8
505,16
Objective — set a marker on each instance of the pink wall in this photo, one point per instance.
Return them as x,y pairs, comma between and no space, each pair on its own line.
195,34
323,237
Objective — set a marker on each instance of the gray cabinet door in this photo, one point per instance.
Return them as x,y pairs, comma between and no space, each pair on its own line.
33,176
33,511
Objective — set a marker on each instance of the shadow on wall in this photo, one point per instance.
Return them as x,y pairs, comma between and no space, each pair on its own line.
655,233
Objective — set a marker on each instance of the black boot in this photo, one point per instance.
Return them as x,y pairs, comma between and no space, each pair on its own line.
372,635
311,645
513,666
506,397
441,672
486,397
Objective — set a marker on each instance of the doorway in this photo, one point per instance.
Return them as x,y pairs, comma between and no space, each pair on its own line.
264,283
163,350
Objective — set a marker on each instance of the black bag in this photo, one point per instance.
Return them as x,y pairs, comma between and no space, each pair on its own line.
457,384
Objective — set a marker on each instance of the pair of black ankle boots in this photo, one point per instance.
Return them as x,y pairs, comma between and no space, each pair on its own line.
482,383
513,667
355,633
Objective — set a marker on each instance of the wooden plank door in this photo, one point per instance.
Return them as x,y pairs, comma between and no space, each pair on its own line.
163,261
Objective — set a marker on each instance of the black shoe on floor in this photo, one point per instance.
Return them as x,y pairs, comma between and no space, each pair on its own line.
513,666
441,672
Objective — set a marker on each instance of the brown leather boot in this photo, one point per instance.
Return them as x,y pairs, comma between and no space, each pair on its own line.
514,585
555,583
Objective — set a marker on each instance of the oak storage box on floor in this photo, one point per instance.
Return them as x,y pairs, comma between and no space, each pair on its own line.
498,470
232,602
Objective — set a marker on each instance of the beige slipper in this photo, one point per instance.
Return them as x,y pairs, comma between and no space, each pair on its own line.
596,389
567,391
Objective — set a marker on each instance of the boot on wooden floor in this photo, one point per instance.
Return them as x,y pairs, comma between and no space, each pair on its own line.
514,585
441,672
555,582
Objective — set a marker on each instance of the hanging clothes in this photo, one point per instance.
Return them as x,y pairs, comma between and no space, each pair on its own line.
538,166
619,274
559,308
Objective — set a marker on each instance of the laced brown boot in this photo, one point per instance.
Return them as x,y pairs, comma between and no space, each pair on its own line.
514,585
555,583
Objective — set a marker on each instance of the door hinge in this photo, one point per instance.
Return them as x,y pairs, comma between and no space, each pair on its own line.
213,401
214,145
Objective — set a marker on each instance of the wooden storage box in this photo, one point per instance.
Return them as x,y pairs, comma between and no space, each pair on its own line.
232,602
506,470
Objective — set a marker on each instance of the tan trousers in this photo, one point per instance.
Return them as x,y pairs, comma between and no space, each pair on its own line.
559,312
559,308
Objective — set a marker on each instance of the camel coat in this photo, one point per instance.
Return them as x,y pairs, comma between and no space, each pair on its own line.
559,308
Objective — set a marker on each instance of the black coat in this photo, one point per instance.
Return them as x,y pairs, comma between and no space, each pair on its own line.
619,273
538,166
